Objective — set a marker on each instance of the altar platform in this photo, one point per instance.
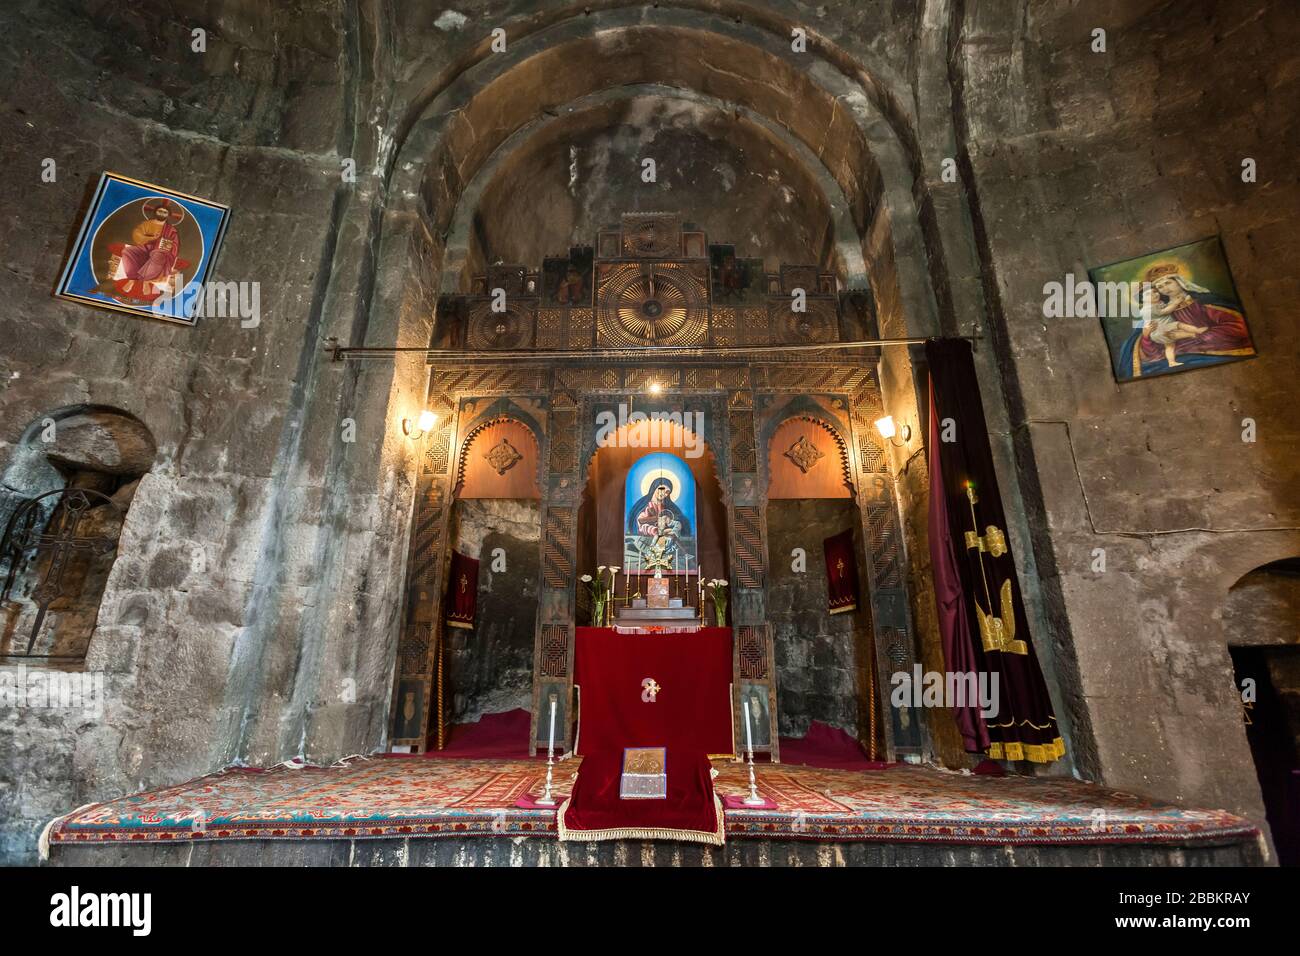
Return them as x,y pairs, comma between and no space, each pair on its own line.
455,811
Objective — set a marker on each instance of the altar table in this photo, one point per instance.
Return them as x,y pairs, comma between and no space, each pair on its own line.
650,690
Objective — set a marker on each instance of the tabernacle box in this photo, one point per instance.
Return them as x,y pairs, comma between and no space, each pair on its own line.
645,775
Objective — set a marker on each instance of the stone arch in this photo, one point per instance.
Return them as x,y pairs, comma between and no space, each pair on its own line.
444,140
500,413
808,411
73,475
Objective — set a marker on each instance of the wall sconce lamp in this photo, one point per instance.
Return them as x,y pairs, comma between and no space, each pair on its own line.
420,427
887,431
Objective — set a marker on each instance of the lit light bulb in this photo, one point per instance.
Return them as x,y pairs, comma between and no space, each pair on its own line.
655,388
886,426
426,420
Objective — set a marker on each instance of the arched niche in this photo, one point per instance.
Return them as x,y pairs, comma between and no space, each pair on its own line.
602,509
824,655
1259,619
64,497
496,521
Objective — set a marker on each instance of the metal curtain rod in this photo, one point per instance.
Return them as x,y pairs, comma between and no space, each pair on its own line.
340,353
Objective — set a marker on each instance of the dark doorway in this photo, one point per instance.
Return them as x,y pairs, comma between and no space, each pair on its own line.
1273,730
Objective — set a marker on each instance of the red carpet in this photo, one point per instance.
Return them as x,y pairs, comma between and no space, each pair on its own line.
504,736
501,736
828,748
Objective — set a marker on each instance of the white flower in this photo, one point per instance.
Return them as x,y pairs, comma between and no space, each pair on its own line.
615,568
600,568
585,579
721,583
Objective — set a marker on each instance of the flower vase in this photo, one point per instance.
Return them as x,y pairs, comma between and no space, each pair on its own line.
598,614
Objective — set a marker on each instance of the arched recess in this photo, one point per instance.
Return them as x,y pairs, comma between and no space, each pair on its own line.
832,107
601,510
1259,619
824,648
486,665
64,497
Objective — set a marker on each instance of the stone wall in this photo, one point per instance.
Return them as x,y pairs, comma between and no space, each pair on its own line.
253,122
253,609
490,668
1081,158
817,653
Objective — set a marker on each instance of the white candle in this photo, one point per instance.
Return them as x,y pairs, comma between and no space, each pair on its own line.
749,741
550,744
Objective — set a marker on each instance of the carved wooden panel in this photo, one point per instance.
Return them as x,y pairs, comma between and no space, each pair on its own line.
555,650
582,326
882,542
818,323
744,456
660,303
413,651
752,642
564,441
557,563
652,235
550,328
511,329
749,547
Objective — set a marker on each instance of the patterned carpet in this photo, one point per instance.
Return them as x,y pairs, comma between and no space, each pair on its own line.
384,797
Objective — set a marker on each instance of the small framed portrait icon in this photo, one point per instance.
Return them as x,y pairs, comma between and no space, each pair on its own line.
144,249
1171,311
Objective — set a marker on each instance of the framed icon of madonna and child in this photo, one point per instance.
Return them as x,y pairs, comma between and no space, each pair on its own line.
144,249
1171,311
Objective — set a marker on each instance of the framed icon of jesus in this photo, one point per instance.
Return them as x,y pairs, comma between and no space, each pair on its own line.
144,249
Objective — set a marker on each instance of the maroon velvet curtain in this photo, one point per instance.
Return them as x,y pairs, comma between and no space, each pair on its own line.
982,617
462,590
841,572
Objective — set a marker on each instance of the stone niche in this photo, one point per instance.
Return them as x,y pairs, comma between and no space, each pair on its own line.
490,668
819,656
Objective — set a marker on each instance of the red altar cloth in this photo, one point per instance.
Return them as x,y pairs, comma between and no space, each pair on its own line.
690,716
693,709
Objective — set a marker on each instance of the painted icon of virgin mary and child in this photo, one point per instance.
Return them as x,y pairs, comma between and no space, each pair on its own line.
1187,313
657,526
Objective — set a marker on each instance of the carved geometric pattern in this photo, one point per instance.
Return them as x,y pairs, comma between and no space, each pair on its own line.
581,323
752,643
897,647
753,327
799,277
819,323
652,235
557,562
865,409
503,456
428,536
807,378
744,456
555,650
882,542
488,379
659,303
413,655
564,438
639,378
724,327
804,454
511,329
749,547
550,328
